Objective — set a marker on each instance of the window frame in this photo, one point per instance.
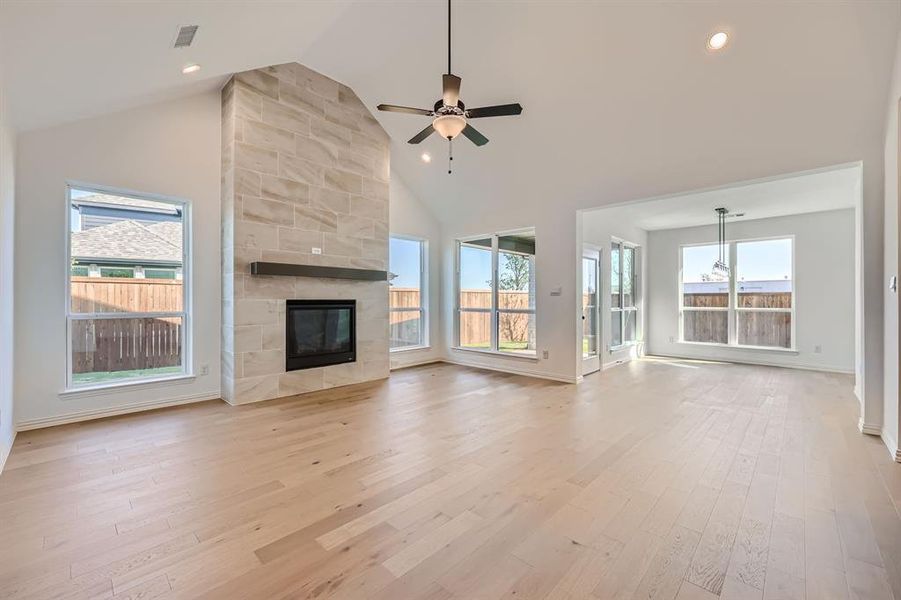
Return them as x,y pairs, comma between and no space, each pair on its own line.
186,314
494,311
732,307
636,289
423,293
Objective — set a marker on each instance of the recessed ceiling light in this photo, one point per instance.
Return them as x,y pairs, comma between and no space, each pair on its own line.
190,69
426,157
718,40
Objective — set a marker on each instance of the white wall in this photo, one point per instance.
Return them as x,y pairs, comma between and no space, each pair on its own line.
824,269
891,412
599,228
7,229
170,148
409,216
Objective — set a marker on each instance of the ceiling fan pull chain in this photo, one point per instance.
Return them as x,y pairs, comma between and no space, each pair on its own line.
450,156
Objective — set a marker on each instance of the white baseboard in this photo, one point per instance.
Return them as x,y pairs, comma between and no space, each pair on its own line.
892,445
417,363
760,363
869,429
5,450
514,371
99,413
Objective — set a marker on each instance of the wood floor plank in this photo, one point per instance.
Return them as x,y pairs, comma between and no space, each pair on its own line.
651,480
711,559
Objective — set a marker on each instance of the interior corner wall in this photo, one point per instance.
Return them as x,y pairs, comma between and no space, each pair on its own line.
599,228
824,267
891,343
409,216
7,248
169,148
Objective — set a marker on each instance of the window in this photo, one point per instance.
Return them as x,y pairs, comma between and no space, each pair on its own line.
764,291
497,317
752,305
407,285
623,293
126,272
705,296
126,312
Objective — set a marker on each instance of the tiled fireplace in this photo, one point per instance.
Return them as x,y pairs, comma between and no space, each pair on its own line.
304,182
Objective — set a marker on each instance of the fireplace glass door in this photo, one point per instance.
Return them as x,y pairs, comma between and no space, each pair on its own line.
319,333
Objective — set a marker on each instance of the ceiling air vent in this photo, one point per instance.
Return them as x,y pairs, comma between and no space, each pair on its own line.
185,36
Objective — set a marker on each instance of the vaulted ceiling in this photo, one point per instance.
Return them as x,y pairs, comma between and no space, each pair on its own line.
622,99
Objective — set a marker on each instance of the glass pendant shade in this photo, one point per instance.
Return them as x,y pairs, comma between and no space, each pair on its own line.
449,126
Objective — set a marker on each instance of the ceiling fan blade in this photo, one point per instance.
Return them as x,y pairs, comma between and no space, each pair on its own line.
422,135
405,109
474,136
494,111
451,89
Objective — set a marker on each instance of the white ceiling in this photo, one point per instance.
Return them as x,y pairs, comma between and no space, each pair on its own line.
622,100
828,189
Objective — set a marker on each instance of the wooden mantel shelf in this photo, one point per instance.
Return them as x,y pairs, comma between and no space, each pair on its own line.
292,270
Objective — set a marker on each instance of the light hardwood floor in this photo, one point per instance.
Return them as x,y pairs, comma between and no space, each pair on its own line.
657,479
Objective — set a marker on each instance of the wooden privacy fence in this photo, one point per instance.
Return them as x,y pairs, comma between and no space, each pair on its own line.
106,345
745,300
753,328
475,328
112,294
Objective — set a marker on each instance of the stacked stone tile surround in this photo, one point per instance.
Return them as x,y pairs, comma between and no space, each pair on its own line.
304,165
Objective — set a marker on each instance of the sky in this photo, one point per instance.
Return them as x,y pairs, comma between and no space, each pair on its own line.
475,268
403,258
756,261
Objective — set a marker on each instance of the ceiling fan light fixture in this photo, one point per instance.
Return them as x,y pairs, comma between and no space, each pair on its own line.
449,126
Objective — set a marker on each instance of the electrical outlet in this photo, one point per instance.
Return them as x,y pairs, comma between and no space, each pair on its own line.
672,340
204,369
545,354
317,250
817,349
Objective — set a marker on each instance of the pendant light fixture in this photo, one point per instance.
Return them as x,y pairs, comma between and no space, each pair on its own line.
721,266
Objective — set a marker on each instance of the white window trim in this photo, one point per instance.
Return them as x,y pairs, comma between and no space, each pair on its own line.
636,289
423,294
187,366
732,308
494,311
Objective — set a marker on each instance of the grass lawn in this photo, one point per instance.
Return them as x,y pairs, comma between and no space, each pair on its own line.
110,376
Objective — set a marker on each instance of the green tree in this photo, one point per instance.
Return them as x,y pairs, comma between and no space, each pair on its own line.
515,273
514,276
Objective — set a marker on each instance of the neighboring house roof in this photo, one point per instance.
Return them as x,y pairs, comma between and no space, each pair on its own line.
121,202
168,230
768,286
130,241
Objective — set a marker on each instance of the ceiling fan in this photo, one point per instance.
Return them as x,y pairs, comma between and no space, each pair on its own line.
450,116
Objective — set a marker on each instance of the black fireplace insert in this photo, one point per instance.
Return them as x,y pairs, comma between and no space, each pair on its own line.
320,332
